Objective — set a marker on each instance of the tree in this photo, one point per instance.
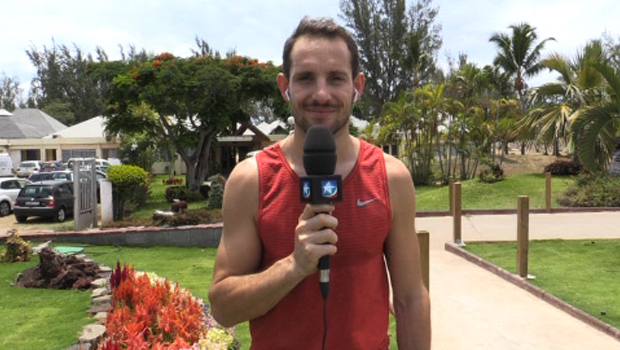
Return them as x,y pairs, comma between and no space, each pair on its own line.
597,127
62,83
194,100
519,56
10,93
559,103
397,47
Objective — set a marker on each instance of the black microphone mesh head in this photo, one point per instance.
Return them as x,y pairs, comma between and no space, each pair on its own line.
319,151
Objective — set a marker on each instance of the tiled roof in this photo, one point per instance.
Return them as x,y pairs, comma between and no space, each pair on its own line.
28,123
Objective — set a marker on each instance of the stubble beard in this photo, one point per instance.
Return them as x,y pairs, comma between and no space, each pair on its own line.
338,124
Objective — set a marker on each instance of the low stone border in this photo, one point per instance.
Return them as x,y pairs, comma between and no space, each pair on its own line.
100,303
523,284
182,236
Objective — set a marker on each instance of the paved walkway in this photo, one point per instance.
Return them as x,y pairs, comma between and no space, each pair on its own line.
475,309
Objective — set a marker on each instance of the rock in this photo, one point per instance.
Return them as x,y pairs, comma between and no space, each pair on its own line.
37,249
100,283
95,309
104,269
59,272
81,346
101,317
99,292
102,300
92,334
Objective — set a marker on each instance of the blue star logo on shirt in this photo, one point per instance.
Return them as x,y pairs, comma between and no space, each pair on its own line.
329,188
306,189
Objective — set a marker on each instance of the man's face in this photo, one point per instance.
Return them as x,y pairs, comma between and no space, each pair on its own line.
321,86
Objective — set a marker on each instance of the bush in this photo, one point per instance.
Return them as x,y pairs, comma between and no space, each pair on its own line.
151,312
182,193
16,248
216,196
563,167
592,190
493,174
130,189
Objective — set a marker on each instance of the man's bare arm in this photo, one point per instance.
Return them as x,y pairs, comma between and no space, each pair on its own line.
239,291
411,300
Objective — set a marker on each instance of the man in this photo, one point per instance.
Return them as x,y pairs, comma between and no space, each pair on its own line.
266,265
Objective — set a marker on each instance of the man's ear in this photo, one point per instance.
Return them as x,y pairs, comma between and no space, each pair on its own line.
358,84
283,86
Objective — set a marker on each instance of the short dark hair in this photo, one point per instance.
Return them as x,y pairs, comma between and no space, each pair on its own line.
320,28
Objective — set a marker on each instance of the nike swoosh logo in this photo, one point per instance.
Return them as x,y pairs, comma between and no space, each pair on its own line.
361,203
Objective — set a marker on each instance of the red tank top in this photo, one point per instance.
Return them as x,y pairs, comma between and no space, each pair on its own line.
358,304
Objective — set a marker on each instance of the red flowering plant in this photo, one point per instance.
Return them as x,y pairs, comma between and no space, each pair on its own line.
149,312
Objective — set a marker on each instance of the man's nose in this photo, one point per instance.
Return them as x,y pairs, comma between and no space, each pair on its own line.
322,93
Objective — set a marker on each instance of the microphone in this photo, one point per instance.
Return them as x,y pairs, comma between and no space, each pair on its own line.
321,185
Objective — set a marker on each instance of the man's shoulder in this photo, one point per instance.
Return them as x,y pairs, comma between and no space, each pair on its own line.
396,170
245,173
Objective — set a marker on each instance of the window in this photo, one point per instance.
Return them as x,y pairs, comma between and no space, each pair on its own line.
9,185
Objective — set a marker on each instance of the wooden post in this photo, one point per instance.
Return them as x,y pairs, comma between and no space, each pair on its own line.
423,241
522,235
548,193
456,215
451,194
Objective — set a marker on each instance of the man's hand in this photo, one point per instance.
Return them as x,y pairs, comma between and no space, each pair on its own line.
314,237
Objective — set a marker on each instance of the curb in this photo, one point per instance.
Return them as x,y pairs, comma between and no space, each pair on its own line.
423,214
523,284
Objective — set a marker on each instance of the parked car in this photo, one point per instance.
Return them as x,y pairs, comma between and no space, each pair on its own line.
52,165
100,164
64,175
53,200
27,168
40,176
6,165
9,189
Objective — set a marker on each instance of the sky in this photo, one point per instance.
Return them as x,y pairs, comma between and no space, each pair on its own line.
259,28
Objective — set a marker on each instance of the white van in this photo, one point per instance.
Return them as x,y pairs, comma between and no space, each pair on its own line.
6,165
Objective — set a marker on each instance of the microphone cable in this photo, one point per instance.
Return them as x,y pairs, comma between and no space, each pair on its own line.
324,322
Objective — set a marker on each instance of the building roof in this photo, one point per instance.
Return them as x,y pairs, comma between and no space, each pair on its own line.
274,128
93,127
28,123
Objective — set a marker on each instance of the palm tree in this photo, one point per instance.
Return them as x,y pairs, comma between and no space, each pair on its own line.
596,128
559,103
519,56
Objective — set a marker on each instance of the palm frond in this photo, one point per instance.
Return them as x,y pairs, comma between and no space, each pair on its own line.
586,130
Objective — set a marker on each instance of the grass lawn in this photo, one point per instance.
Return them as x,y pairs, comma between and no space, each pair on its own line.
499,195
39,318
584,273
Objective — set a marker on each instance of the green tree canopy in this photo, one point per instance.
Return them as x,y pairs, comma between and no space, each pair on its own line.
398,47
194,99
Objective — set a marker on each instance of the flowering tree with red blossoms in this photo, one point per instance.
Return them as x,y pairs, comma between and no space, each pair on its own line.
193,100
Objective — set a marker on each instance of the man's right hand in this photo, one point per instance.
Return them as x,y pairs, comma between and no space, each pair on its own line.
314,237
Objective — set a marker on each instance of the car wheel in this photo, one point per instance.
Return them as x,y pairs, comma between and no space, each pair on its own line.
21,218
5,208
61,215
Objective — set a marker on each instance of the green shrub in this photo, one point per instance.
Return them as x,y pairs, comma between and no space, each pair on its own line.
16,248
493,174
216,196
592,190
182,193
130,189
563,167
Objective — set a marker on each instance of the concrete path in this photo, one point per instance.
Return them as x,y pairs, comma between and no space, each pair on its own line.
475,309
